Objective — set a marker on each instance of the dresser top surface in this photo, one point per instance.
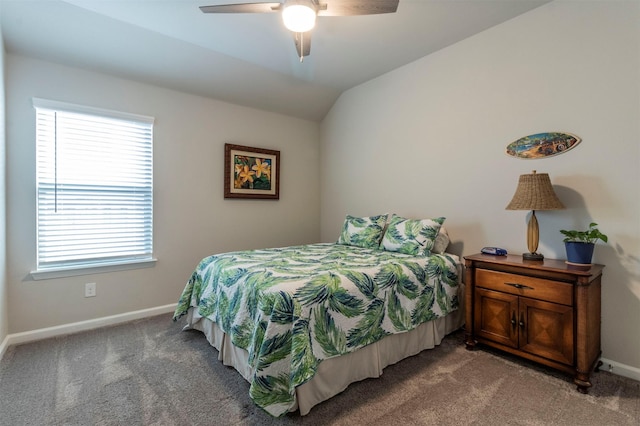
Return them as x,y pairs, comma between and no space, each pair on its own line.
555,265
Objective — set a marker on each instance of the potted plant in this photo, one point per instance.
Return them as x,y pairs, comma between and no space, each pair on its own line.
580,244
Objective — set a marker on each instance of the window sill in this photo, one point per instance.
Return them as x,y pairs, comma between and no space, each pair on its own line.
48,274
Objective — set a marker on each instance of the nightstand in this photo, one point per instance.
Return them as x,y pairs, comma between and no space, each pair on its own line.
545,311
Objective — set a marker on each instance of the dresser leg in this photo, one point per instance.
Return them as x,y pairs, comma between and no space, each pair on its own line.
583,379
470,343
598,365
583,385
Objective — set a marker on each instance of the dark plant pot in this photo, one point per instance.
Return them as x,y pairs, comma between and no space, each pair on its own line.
580,253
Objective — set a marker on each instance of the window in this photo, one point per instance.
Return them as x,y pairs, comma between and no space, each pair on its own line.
94,178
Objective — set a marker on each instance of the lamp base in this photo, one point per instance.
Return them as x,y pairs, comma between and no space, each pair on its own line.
532,256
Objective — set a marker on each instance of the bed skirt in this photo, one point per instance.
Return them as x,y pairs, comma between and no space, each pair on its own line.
335,374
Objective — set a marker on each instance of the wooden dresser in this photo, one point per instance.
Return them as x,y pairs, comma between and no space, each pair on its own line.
545,311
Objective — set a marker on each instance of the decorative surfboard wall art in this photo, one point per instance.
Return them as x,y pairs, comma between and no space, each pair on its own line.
542,145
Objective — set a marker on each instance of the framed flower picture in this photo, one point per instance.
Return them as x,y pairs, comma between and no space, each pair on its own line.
251,172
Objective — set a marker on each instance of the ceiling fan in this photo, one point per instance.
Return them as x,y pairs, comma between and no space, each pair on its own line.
299,16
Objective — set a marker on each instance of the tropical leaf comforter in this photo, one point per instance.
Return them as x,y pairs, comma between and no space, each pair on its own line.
292,307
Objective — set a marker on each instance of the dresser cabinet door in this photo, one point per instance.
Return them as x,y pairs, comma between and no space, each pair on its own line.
546,329
496,316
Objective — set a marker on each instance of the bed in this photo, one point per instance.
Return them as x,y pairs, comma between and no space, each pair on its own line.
301,323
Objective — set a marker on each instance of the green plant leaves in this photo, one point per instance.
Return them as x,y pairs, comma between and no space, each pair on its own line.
591,235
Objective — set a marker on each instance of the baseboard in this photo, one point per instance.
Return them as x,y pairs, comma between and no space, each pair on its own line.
620,369
60,330
3,346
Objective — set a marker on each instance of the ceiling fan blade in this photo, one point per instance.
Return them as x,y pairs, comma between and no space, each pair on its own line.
303,44
358,7
242,8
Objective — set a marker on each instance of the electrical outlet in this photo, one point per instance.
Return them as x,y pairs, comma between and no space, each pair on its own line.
89,289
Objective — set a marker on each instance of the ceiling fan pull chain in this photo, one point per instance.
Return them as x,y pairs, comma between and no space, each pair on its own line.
301,47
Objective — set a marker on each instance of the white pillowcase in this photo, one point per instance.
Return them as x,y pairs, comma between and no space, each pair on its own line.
441,242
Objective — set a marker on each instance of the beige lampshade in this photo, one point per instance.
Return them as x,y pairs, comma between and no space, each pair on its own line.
534,192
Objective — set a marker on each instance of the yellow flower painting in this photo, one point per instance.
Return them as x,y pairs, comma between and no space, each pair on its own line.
251,172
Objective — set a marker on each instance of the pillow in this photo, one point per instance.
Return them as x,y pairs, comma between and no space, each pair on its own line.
363,232
411,236
441,242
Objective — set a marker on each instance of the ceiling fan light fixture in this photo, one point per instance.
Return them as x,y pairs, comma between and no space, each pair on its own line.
299,18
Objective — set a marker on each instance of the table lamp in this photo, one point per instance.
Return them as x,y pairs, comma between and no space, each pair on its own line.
534,192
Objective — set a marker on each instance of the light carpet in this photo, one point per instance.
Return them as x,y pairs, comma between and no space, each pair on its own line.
149,372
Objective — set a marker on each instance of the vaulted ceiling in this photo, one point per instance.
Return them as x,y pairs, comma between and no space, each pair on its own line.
247,59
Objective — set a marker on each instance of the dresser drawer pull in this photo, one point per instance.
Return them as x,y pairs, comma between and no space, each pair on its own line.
520,286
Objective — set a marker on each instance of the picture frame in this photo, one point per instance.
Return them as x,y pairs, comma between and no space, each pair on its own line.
251,172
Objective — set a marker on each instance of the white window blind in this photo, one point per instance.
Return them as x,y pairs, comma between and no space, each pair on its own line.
94,186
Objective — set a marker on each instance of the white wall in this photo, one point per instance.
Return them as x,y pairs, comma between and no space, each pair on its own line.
191,217
4,291
428,139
